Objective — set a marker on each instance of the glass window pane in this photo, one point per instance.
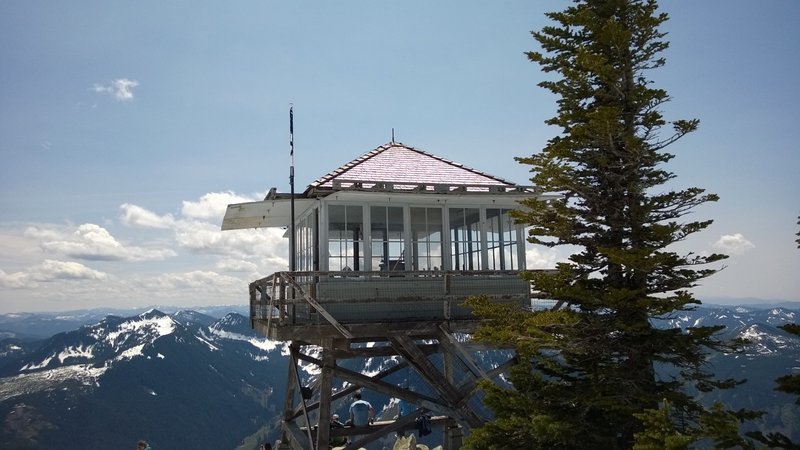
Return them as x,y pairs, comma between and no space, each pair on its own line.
465,238
426,238
345,237
501,238
386,231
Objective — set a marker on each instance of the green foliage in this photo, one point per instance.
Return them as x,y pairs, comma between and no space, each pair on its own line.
665,428
798,233
791,385
587,373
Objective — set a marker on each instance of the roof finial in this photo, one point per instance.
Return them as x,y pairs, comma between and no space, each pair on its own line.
392,135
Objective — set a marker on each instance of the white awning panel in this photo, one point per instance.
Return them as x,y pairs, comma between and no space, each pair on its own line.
263,214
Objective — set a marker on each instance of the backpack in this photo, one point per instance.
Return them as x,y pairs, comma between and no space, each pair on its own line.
424,425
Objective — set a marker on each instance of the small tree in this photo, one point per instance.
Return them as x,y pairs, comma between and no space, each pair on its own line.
798,233
586,372
789,384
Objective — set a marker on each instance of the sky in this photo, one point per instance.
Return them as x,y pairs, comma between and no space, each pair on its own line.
127,127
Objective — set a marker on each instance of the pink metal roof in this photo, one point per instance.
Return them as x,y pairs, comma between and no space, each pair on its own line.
397,163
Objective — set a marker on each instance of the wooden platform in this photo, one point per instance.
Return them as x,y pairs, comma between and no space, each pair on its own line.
314,306
401,425
410,318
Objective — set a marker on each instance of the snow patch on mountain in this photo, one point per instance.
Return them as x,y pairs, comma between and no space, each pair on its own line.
780,316
261,344
761,342
76,352
41,365
130,353
202,338
10,350
155,327
370,363
312,370
28,383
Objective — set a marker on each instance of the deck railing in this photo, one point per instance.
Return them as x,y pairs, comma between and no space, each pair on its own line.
298,298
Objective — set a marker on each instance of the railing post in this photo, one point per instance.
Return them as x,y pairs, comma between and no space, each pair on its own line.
282,294
252,304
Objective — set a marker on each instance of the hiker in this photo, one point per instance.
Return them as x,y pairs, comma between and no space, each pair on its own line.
339,440
361,412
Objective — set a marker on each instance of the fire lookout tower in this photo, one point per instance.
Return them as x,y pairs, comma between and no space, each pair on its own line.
387,248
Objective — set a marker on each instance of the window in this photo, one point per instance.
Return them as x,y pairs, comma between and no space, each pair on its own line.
426,238
304,243
386,232
501,240
345,238
465,238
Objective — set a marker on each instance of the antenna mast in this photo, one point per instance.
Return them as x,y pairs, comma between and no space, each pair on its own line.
292,262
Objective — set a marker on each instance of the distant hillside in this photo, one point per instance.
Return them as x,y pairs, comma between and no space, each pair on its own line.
36,326
177,383
189,380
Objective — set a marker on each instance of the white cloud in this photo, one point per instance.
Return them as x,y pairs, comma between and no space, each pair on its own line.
734,244
207,238
14,280
194,232
94,243
217,270
198,280
121,89
50,270
212,206
236,265
544,258
138,217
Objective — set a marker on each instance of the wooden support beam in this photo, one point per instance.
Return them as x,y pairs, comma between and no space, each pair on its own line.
387,426
296,436
453,346
438,381
311,301
468,388
397,392
343,393
376,433
378,351
325,385
291,386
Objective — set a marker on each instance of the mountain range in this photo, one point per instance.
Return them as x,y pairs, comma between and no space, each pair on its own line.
185,380
188,379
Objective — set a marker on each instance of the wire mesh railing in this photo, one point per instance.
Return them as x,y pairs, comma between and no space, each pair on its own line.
303,297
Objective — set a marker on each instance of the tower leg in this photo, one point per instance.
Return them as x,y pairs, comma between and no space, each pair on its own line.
325,387
288,406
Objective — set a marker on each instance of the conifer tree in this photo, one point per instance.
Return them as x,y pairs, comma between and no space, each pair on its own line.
587,370
789,384
798,233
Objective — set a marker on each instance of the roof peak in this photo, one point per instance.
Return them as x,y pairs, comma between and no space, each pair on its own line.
398,162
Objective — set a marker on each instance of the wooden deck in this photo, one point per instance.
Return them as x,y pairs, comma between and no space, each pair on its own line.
314,306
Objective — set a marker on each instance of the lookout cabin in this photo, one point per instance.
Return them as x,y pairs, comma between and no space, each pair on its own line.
386,249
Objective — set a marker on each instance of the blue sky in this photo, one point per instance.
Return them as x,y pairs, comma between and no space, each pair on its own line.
127,127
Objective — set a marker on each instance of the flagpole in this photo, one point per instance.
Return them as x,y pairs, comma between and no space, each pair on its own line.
292,256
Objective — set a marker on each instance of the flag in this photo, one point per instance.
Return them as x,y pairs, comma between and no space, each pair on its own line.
291,132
